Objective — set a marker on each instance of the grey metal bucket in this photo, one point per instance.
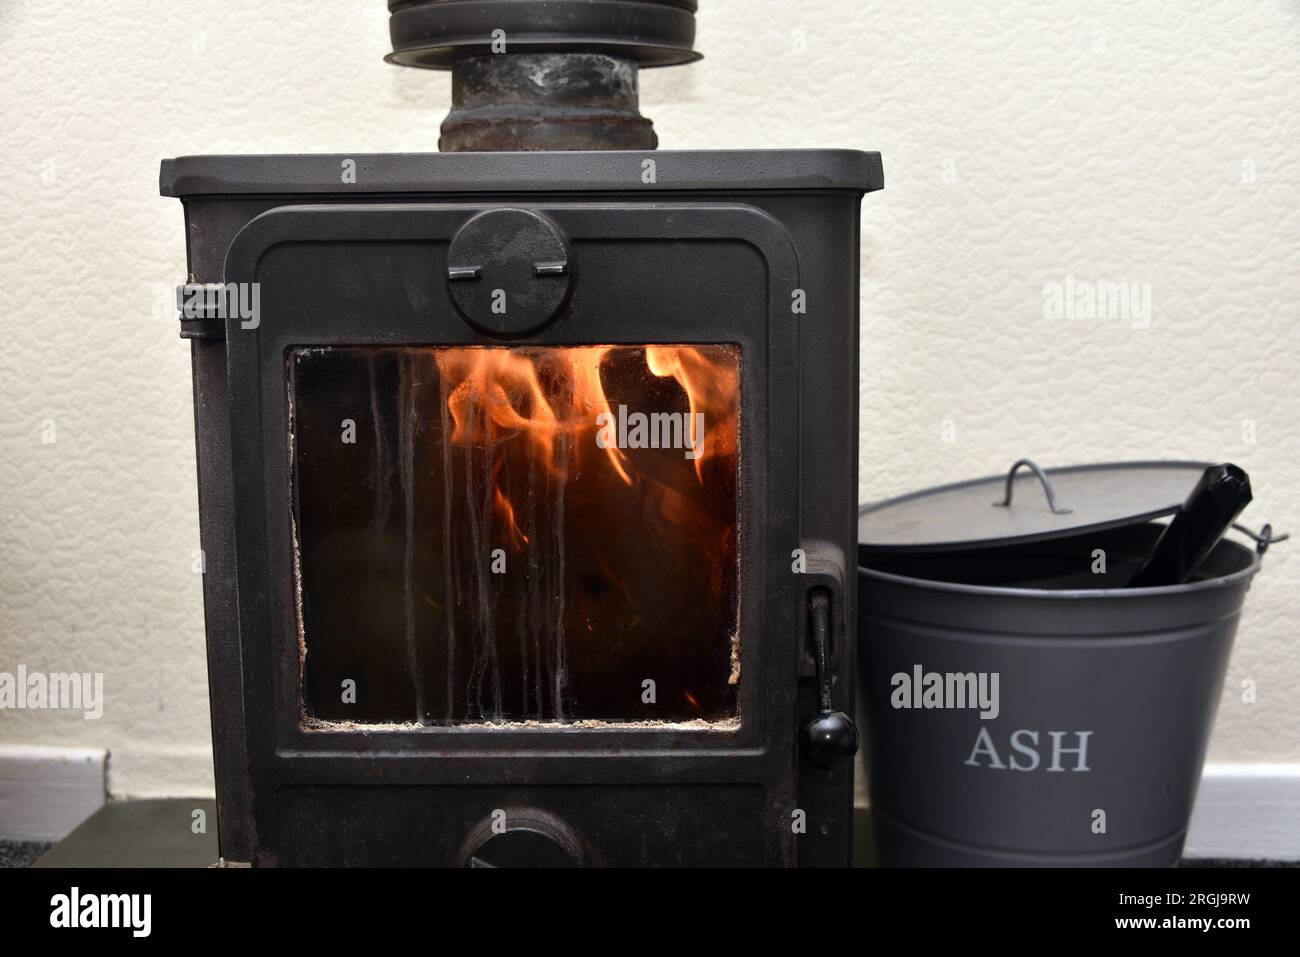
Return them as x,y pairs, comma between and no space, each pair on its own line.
1106,699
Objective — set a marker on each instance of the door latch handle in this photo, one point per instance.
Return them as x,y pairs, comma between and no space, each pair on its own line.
828,738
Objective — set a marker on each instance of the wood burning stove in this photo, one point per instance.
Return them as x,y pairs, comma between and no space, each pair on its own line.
527,479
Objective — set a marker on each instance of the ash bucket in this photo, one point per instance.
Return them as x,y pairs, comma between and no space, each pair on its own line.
1025,707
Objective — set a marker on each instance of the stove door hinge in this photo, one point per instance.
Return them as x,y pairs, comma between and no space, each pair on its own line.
202,308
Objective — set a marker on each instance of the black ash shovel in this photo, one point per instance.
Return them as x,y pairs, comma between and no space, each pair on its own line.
1213,505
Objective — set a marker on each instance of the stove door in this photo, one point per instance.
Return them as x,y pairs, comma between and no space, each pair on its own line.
515,574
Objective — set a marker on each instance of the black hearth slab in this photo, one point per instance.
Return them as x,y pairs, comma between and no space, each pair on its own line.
605,171
153,833
21,853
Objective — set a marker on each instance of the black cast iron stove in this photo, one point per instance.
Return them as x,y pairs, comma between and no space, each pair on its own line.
527,478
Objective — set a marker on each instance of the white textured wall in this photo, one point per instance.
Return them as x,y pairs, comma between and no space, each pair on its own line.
1151,142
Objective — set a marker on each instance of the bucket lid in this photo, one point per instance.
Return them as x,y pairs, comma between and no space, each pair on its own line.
1030,506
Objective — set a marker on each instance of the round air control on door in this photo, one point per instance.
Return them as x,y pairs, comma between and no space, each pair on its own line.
522,837
508,271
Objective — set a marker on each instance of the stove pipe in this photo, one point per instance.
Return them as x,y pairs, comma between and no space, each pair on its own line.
543,74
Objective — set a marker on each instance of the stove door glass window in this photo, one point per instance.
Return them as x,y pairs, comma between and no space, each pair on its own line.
527,534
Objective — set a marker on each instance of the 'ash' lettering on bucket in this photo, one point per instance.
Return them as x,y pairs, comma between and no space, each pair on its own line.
1022,752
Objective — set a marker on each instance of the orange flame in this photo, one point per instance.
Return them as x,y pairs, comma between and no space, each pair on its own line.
547,394
710,388
496,394
507,512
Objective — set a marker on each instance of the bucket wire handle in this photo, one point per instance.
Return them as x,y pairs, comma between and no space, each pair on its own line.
1263,539
1042,478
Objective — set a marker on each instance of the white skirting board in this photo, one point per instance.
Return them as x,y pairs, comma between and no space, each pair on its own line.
46,792
1249,811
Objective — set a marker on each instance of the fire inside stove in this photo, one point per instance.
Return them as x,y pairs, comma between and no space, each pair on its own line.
516,534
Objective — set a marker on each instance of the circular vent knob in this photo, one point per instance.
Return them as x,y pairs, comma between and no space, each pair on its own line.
522,837
509,272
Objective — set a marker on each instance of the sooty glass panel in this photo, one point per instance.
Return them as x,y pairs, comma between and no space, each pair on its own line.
517,534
